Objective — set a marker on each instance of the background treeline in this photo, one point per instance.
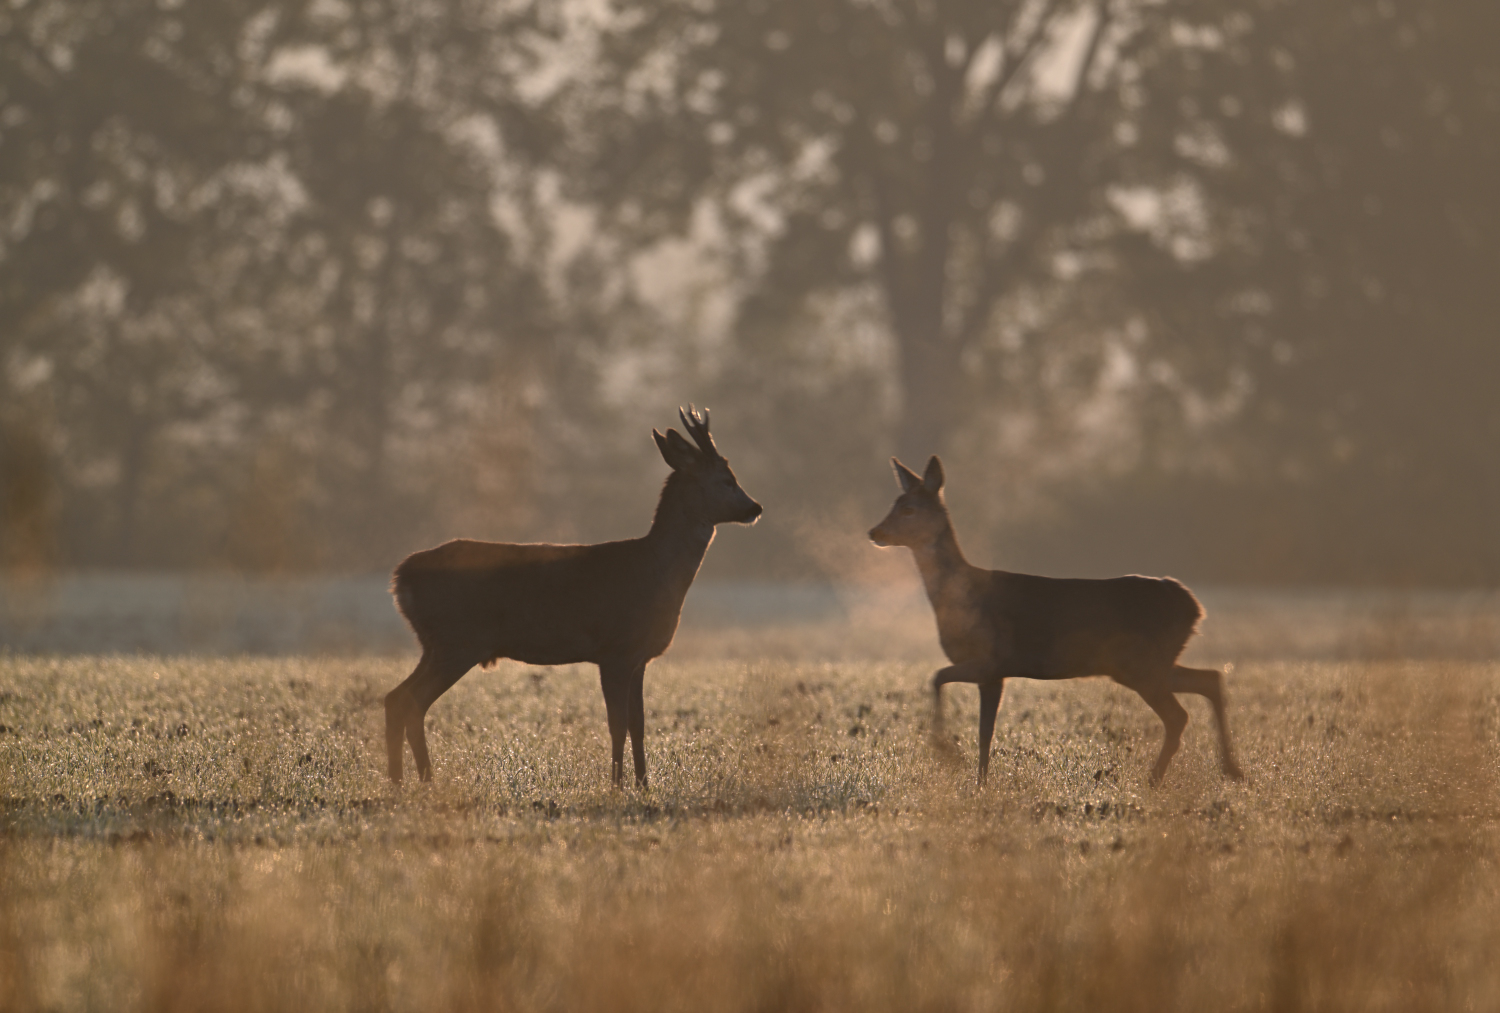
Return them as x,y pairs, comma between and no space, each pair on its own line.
1189,286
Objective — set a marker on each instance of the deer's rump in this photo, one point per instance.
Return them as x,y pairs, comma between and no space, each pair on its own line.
1061,628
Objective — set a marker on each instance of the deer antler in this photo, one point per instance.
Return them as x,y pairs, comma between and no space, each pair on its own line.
697,427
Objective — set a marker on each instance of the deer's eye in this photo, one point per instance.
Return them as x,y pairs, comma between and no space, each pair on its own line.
908,511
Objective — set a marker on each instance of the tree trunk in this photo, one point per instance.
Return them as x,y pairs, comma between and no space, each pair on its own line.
128,496
928,357
929,396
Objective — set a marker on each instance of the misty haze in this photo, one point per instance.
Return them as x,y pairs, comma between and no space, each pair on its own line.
294,290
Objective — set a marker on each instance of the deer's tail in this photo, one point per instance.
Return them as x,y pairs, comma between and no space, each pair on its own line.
1189,610
1181,614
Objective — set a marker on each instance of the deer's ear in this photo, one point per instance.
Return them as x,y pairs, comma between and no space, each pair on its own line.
664,447
909,479
932,481
676,451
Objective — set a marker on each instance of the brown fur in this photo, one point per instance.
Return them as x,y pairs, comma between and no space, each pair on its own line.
995,625
615,604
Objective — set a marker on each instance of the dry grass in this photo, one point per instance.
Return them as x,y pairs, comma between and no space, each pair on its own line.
217,834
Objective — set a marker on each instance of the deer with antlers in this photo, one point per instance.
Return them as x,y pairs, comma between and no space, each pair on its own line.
995,625
615,604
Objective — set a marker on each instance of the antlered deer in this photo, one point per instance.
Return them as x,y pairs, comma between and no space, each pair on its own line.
995,625
615,604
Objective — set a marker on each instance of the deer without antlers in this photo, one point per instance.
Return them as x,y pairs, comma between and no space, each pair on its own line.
995,625
615,604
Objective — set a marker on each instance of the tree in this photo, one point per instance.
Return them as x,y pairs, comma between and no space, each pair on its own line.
425,321
119,119
259,244
1343,158
943,152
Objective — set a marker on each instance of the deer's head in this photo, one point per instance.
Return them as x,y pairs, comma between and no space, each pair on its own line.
710,488
918,515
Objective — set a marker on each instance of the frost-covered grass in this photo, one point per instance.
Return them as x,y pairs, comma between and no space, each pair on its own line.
183,833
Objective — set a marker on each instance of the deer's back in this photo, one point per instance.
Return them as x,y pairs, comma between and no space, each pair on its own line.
537,603
1050,627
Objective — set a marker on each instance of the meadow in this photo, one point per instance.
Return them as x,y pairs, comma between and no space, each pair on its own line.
209,833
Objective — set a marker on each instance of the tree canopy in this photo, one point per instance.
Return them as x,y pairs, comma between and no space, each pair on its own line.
307,284
948,155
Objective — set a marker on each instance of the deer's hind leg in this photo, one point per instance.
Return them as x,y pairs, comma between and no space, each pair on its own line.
989,706
399,704
1209,684
636,724
406,711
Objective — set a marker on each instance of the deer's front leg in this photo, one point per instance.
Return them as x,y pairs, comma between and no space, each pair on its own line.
989,705
977,672
616,686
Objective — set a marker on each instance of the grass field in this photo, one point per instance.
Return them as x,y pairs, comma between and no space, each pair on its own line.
201,833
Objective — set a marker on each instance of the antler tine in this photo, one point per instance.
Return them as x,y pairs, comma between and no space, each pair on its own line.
697,427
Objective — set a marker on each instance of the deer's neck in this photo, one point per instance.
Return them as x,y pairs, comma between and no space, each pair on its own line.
678,537
941,562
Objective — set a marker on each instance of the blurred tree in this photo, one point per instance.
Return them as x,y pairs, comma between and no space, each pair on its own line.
251,243
1338,164
1266,227
290,284
117,121
417,316
113,116
947,153
417,258
28,542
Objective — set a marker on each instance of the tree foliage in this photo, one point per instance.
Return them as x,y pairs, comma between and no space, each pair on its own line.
298,284
950,155
254,262
1265,226
1344,159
